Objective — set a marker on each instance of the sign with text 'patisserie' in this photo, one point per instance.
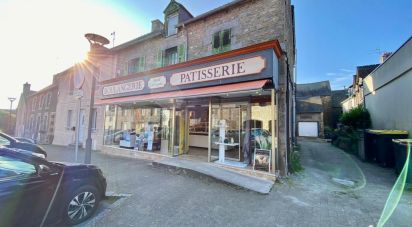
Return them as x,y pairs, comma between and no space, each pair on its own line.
237,68
124,88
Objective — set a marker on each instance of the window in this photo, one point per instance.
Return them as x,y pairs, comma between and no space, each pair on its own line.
135,65
171,56
10,167
69,119
49,97
171,24
33,104
221,41
94,120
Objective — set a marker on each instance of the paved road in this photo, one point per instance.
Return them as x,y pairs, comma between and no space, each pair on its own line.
163,198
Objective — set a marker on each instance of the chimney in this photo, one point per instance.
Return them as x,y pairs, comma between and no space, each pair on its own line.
385,56
157,25
26,88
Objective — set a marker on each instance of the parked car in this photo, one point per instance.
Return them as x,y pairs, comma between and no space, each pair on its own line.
10,142
35,191
25,140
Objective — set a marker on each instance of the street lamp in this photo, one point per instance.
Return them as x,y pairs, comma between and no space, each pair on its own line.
10,119
97,50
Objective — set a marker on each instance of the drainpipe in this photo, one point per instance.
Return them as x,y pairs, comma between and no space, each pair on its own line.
187,42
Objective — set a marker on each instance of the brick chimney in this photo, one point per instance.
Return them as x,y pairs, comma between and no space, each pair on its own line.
157,25
385,56
26,88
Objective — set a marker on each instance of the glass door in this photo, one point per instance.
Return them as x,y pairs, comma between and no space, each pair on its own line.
180,132
227,132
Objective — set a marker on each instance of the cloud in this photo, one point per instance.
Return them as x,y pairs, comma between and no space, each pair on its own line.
330,74
347,70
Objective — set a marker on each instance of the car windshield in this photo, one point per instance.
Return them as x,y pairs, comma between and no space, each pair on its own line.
11,167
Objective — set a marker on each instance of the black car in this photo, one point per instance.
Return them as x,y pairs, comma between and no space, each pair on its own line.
10,142
35,192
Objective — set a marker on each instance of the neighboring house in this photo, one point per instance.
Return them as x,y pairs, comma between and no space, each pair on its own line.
355,90
388,93
36,114
22,119
313,108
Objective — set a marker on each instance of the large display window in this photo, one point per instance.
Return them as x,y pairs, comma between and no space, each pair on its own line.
145,128
231,131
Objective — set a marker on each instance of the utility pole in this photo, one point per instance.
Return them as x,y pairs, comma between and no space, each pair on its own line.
10,118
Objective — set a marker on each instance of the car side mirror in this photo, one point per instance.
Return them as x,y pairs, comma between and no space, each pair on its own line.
44,170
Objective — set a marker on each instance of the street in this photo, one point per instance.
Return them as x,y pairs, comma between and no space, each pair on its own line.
312,198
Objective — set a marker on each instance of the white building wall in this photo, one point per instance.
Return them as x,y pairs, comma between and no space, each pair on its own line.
388,94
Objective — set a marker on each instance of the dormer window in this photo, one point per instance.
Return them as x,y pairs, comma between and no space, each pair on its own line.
172,21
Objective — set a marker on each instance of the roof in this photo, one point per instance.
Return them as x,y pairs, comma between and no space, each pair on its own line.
365,70
404,44
309,105
211,12
321,88
338,96
42,90
139,39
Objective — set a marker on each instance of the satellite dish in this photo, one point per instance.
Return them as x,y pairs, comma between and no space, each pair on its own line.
98,39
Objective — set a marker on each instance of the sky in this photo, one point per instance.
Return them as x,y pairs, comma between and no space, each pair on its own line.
44,37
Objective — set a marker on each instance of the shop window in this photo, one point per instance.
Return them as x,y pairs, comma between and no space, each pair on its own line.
135,65
221,41
172,21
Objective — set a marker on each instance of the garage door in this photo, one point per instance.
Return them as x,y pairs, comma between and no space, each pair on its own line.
309,129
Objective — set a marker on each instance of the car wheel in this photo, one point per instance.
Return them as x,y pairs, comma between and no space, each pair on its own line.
81,205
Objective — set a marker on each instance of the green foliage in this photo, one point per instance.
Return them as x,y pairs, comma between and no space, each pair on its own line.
357,118
296,166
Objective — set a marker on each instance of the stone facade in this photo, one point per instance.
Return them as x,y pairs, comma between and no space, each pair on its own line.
37,113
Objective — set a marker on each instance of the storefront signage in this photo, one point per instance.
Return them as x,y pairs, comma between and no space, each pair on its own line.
157,82
242,67
124,88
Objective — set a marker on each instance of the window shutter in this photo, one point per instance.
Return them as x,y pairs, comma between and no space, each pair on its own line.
216,42
226,40
125,68
182,52
141,64
159,59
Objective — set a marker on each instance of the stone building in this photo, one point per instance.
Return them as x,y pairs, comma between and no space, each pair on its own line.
313,108
218,86
183,111
36,113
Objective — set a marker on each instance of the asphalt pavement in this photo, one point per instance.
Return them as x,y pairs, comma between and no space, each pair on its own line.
314,197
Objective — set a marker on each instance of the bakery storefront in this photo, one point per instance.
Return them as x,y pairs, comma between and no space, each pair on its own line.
220,108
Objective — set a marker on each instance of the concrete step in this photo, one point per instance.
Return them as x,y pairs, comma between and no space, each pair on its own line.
252,183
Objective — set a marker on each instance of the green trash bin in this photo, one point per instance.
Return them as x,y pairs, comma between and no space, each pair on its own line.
383,146
401,150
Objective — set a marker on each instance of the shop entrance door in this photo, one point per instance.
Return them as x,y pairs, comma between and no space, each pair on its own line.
228,131
180,132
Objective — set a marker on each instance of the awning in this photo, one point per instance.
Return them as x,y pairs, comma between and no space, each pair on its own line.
190,93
